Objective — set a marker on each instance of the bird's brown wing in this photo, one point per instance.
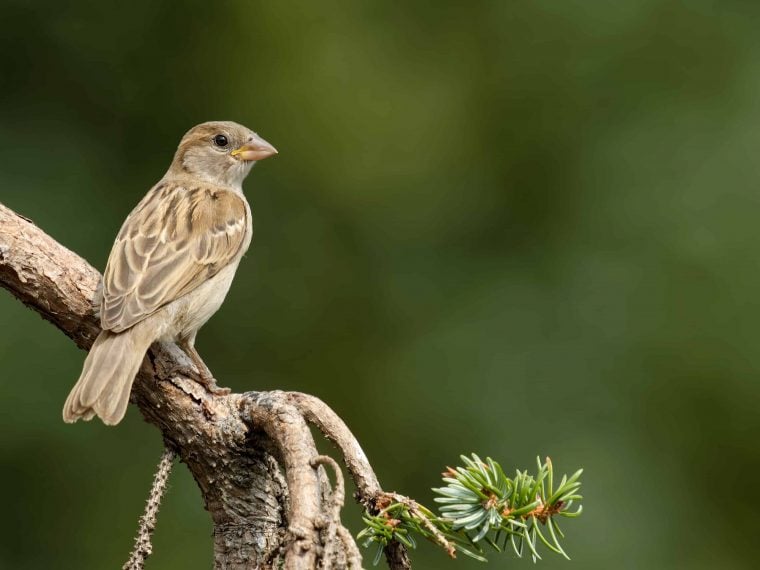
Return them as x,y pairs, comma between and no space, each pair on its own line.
174,240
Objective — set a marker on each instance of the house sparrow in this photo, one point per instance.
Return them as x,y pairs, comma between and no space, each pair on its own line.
171,265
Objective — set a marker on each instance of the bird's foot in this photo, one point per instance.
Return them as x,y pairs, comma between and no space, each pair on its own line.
202,377
209,382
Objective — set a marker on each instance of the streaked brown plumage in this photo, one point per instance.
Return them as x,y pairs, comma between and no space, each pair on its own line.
171,264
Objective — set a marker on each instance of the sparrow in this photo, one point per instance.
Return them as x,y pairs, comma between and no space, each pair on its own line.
171,265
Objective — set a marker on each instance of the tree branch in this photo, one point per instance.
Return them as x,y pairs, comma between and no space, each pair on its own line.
234,445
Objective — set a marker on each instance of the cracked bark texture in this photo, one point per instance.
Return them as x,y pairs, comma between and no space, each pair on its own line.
252,455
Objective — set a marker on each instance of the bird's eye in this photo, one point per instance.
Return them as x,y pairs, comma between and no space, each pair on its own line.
221,140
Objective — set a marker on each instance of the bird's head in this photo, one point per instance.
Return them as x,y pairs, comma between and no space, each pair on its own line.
219,152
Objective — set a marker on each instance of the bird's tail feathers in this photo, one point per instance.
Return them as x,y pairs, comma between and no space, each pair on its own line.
106,381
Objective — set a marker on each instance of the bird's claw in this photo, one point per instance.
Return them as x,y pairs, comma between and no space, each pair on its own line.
205,380
209,382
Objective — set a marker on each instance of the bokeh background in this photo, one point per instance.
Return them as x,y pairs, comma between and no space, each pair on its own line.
514,228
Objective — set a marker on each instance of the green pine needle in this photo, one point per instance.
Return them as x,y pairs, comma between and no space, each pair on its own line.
480,505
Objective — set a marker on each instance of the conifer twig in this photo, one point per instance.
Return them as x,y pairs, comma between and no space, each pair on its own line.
143,547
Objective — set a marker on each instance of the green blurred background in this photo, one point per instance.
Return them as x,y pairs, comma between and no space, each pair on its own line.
514,228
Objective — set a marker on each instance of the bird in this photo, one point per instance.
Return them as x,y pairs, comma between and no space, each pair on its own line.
171,265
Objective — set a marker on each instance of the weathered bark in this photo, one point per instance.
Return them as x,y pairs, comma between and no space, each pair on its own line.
252,454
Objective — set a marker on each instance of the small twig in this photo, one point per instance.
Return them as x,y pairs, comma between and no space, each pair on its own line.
143,547
338,500
414,509
339,493
439,538
353,556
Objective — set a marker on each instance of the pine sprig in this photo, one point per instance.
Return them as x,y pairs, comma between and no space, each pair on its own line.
481,505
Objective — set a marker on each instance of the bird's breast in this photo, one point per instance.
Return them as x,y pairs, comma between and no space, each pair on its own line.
190,312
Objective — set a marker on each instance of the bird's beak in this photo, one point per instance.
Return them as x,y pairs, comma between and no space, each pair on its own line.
255,149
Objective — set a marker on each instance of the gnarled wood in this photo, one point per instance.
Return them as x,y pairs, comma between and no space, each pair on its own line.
234,445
